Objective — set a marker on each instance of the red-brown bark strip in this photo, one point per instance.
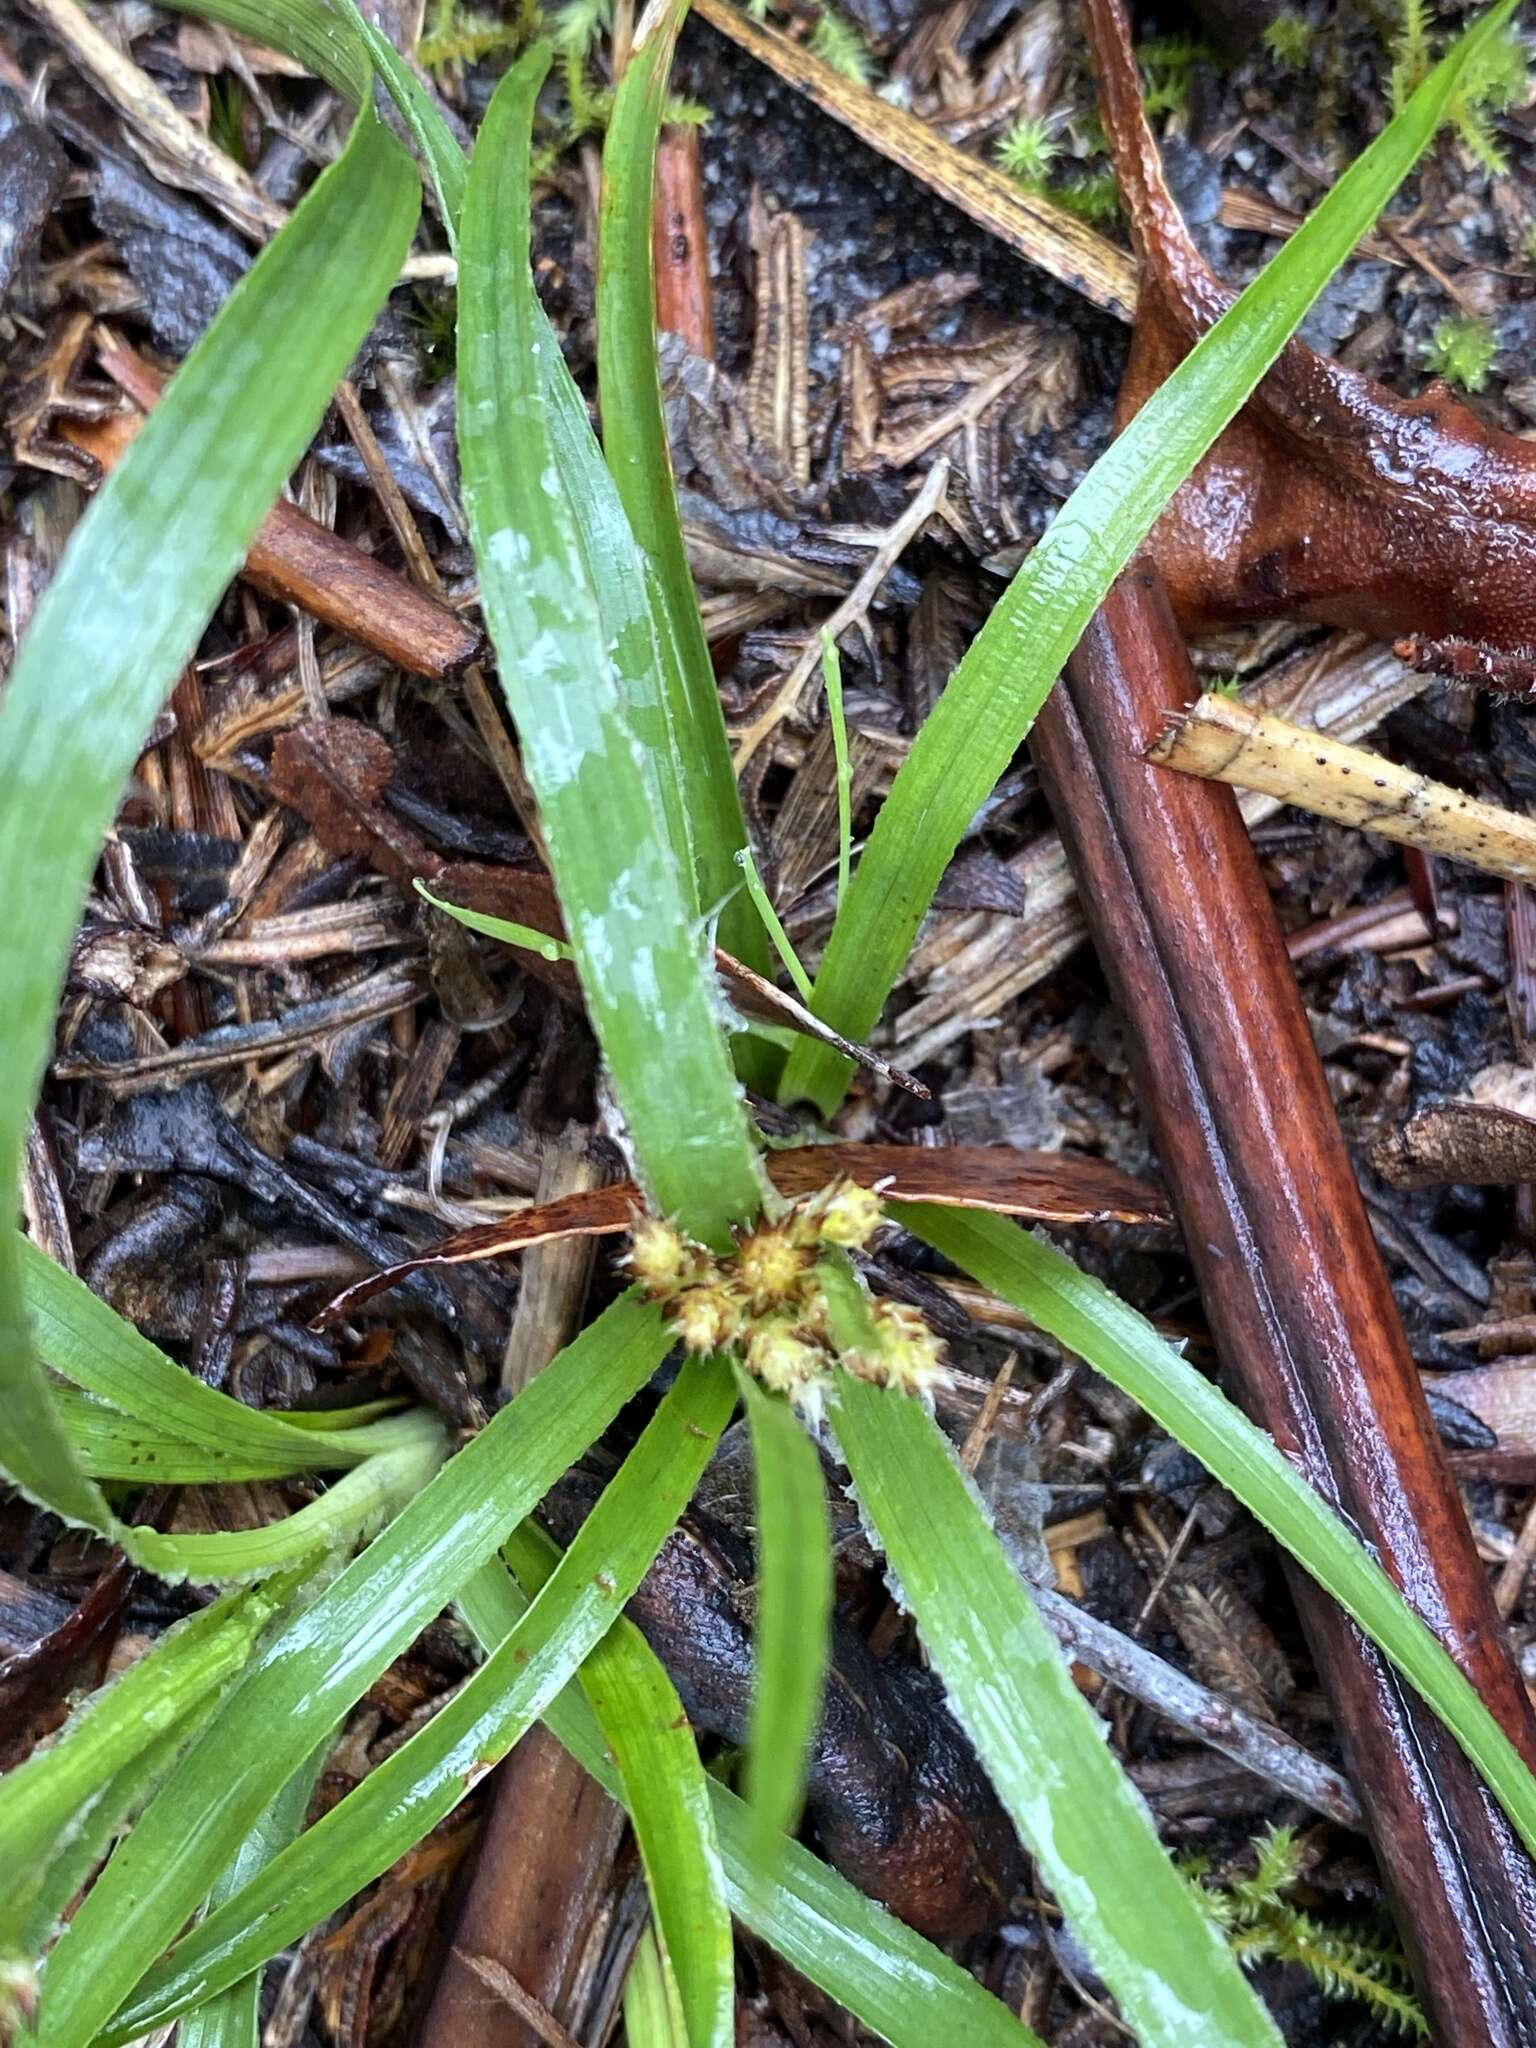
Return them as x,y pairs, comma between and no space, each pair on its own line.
300,562
1294,1288
685,303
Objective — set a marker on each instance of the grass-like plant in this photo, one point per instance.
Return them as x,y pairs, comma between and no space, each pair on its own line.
212,1740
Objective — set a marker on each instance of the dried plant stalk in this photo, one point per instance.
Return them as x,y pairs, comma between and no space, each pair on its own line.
1043,234
1223,740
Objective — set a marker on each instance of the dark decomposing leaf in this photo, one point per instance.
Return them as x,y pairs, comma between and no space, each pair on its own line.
33,171
900,1803
36,1671
1476,1142
182,260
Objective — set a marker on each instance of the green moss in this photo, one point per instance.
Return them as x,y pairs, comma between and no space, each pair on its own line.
1263,1924
1288,39
1028,150
1166,63
837,42
1496,78
1461,350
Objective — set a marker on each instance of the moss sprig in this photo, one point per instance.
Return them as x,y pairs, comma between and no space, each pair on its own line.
1288,39
1462,351
1262,1924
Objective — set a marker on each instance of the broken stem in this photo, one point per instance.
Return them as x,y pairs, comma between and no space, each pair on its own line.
1223,740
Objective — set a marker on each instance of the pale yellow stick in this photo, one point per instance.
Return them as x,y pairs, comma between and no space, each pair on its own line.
1225,740
786,698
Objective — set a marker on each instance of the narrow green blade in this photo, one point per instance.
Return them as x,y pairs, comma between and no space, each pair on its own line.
666,1790
1124,1347
635,442
894,1982
233,2018
640,955
1177,1983
653,2012
794,1614
53,1798
140,579
308,1675
413,1789
86,1340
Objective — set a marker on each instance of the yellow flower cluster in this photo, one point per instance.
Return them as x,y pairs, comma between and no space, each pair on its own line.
768,1298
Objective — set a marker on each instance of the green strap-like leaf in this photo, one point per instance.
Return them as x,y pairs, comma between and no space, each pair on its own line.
991,700
233,2018
794,1613
86,1340
635,442
55,1798
360,1502
897,1984
163,1424
1045,1749
1124,1347
667,1792
311,1672
640,955
412,1790
138,583
115,1446
653,2011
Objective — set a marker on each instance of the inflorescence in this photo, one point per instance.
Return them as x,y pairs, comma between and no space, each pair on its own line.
768,1299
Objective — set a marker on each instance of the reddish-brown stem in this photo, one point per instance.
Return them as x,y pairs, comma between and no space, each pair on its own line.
527,1912
1294,1287
680,237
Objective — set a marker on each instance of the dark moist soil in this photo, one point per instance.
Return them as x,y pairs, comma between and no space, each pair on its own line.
220,1210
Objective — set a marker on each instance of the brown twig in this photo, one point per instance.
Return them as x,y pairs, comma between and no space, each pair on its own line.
1294,1287
301,562
685,300
544,1866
